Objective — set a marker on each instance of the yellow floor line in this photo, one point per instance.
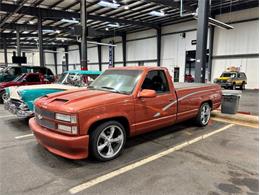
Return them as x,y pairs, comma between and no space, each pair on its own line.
236,122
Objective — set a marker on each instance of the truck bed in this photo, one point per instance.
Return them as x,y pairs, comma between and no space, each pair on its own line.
189,95
190,85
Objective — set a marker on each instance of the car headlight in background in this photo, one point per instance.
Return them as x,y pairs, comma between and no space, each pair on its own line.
23,107
65,117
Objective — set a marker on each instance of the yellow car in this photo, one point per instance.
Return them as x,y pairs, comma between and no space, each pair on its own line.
232,80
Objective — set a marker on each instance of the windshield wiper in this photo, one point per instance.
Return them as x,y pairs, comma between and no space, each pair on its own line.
110,88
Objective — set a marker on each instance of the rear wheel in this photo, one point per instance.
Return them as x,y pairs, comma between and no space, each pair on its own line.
107,140
203,116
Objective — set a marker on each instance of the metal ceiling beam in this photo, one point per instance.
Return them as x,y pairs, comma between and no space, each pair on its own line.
71,30
171,3
16,10
58,14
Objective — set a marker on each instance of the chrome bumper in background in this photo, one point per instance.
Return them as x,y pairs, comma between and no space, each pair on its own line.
14,109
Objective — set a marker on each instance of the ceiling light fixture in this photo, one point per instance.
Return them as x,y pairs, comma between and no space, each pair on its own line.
48,31
116,25
73,21
126,7
157,13
113,4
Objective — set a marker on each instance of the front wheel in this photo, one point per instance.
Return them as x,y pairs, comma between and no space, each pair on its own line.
203,116
243,86
107,140
233,87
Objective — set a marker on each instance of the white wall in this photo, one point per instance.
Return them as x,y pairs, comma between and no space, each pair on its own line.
240,41
141,46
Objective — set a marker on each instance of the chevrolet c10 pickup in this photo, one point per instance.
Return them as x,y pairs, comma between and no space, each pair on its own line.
120,103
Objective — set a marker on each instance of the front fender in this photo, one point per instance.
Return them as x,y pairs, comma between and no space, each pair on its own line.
93,118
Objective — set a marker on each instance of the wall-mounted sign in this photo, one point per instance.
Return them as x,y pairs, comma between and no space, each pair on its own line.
111,55
193,42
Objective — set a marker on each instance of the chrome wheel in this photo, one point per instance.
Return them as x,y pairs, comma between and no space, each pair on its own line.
110,141
5,97
205,114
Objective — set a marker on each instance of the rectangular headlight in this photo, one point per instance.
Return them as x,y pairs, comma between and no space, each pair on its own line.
68,129
67,118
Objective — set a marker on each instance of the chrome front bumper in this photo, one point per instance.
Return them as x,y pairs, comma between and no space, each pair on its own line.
14,109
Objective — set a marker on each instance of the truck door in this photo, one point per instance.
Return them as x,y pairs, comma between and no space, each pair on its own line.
159,111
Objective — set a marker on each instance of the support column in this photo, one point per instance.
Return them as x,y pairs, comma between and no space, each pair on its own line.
202,34
55,61
83,20
5,52
99,50
159,38
18,49
124,48
66,48
41,52
211,46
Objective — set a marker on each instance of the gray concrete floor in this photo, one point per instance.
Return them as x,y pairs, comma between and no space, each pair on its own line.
249,102
225,163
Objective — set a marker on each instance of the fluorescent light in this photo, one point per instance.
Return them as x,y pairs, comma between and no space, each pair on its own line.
156,13
114,25
73,21
104,3
48,30
126,7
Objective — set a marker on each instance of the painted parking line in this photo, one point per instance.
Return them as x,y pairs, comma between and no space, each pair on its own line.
24,136
6,116
130,167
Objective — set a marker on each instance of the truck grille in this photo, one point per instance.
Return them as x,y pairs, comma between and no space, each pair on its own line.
45,113
39,116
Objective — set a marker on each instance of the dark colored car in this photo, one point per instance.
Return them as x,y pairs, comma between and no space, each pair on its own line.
11,72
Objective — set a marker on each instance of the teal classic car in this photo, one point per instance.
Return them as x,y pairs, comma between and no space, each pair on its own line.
20,100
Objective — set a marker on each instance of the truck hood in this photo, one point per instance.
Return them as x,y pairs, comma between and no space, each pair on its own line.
76,100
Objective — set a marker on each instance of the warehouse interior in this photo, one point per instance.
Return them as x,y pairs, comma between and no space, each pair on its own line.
135,42
198,41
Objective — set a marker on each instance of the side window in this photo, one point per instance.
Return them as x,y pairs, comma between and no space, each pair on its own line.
33,78
243,75
156,80
17,71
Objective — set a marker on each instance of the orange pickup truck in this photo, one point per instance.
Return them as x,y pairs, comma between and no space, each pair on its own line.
120,103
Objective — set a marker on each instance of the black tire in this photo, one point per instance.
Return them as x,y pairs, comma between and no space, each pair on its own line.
233,87
243,86
1,97
199,119
96,137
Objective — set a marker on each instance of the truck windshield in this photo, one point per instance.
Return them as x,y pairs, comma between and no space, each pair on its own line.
228,74
119,81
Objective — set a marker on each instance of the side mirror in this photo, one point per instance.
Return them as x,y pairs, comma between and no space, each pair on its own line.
147,93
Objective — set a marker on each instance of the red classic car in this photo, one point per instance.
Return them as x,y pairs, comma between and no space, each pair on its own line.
24,79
